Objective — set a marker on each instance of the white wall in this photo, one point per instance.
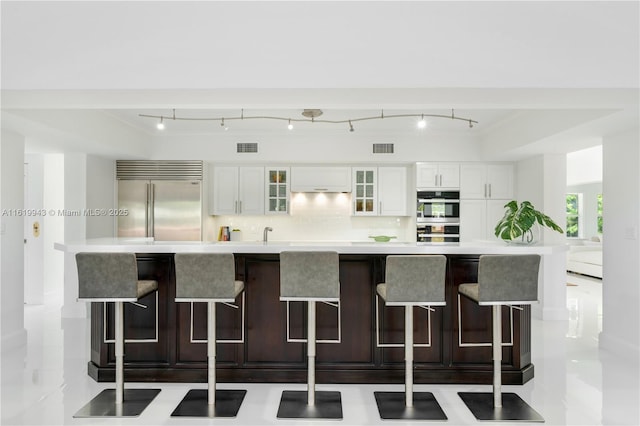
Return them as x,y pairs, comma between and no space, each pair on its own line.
554,198
339,146
584,166
101,177
88,184
530,184
11,241
621,246
75,199
53,228
34,245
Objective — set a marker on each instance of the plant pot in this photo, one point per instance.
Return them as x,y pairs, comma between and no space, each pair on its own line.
530,237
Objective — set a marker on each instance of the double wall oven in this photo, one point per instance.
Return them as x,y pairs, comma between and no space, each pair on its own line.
438,217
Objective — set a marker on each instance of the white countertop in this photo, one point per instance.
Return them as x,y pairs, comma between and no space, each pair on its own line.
148,245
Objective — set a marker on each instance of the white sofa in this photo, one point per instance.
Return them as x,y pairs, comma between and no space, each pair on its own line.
585,258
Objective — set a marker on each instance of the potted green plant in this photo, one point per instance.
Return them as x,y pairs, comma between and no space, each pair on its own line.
518,222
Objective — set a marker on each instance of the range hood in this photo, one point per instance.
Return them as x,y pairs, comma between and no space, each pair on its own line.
320,179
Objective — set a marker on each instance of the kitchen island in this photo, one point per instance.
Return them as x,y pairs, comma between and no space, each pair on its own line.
166,341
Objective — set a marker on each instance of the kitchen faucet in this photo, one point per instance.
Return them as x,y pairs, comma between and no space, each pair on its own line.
264,233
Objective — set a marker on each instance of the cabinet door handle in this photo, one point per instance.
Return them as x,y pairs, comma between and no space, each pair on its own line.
440,180
379,207
436,182
485,190
239,207
489,190
235,207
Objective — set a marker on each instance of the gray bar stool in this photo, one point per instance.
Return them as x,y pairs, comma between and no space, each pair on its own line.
411,281
113,277
502,280
209,277
310,277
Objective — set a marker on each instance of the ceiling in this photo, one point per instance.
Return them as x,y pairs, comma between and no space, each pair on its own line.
546,76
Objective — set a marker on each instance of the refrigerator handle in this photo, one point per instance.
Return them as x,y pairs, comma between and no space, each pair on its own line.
146,212
151,212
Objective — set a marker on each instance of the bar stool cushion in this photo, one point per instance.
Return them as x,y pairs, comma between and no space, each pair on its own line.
112,276
309,275
146,287
414,279
381,289
505,279
206,276
469,290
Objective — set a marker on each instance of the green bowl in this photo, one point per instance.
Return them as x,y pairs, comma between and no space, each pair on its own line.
381,238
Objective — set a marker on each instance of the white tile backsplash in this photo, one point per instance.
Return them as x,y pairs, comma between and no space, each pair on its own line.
317,217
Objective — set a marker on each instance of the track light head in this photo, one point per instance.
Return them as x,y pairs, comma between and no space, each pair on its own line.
160,125
351,129
290,126
422,123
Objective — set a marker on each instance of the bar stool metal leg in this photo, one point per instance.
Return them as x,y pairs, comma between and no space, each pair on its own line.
310,404
210,402
496,320
311,353
119,352
408,355
410,405
118,402
498,406
211,353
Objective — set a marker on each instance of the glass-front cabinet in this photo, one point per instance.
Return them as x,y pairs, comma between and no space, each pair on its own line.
365,191
277,199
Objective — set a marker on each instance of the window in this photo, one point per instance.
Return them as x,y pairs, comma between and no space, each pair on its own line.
574,206
599,213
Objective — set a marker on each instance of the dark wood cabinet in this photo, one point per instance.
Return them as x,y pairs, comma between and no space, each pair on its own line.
179,351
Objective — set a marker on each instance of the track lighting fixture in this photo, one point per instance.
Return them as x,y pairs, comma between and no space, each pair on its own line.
311,116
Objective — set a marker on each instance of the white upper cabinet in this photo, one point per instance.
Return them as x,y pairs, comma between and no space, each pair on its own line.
237,190
392,191
380,191
484,190
481,181
434,175
277,190
320,179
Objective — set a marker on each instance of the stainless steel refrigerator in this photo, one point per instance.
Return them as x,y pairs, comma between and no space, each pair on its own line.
167,210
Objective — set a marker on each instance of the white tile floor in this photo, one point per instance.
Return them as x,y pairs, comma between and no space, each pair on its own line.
575,383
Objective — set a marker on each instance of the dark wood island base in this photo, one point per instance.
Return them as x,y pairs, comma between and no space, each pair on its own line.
166,341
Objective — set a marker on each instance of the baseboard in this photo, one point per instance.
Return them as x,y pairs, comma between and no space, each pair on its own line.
619,347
